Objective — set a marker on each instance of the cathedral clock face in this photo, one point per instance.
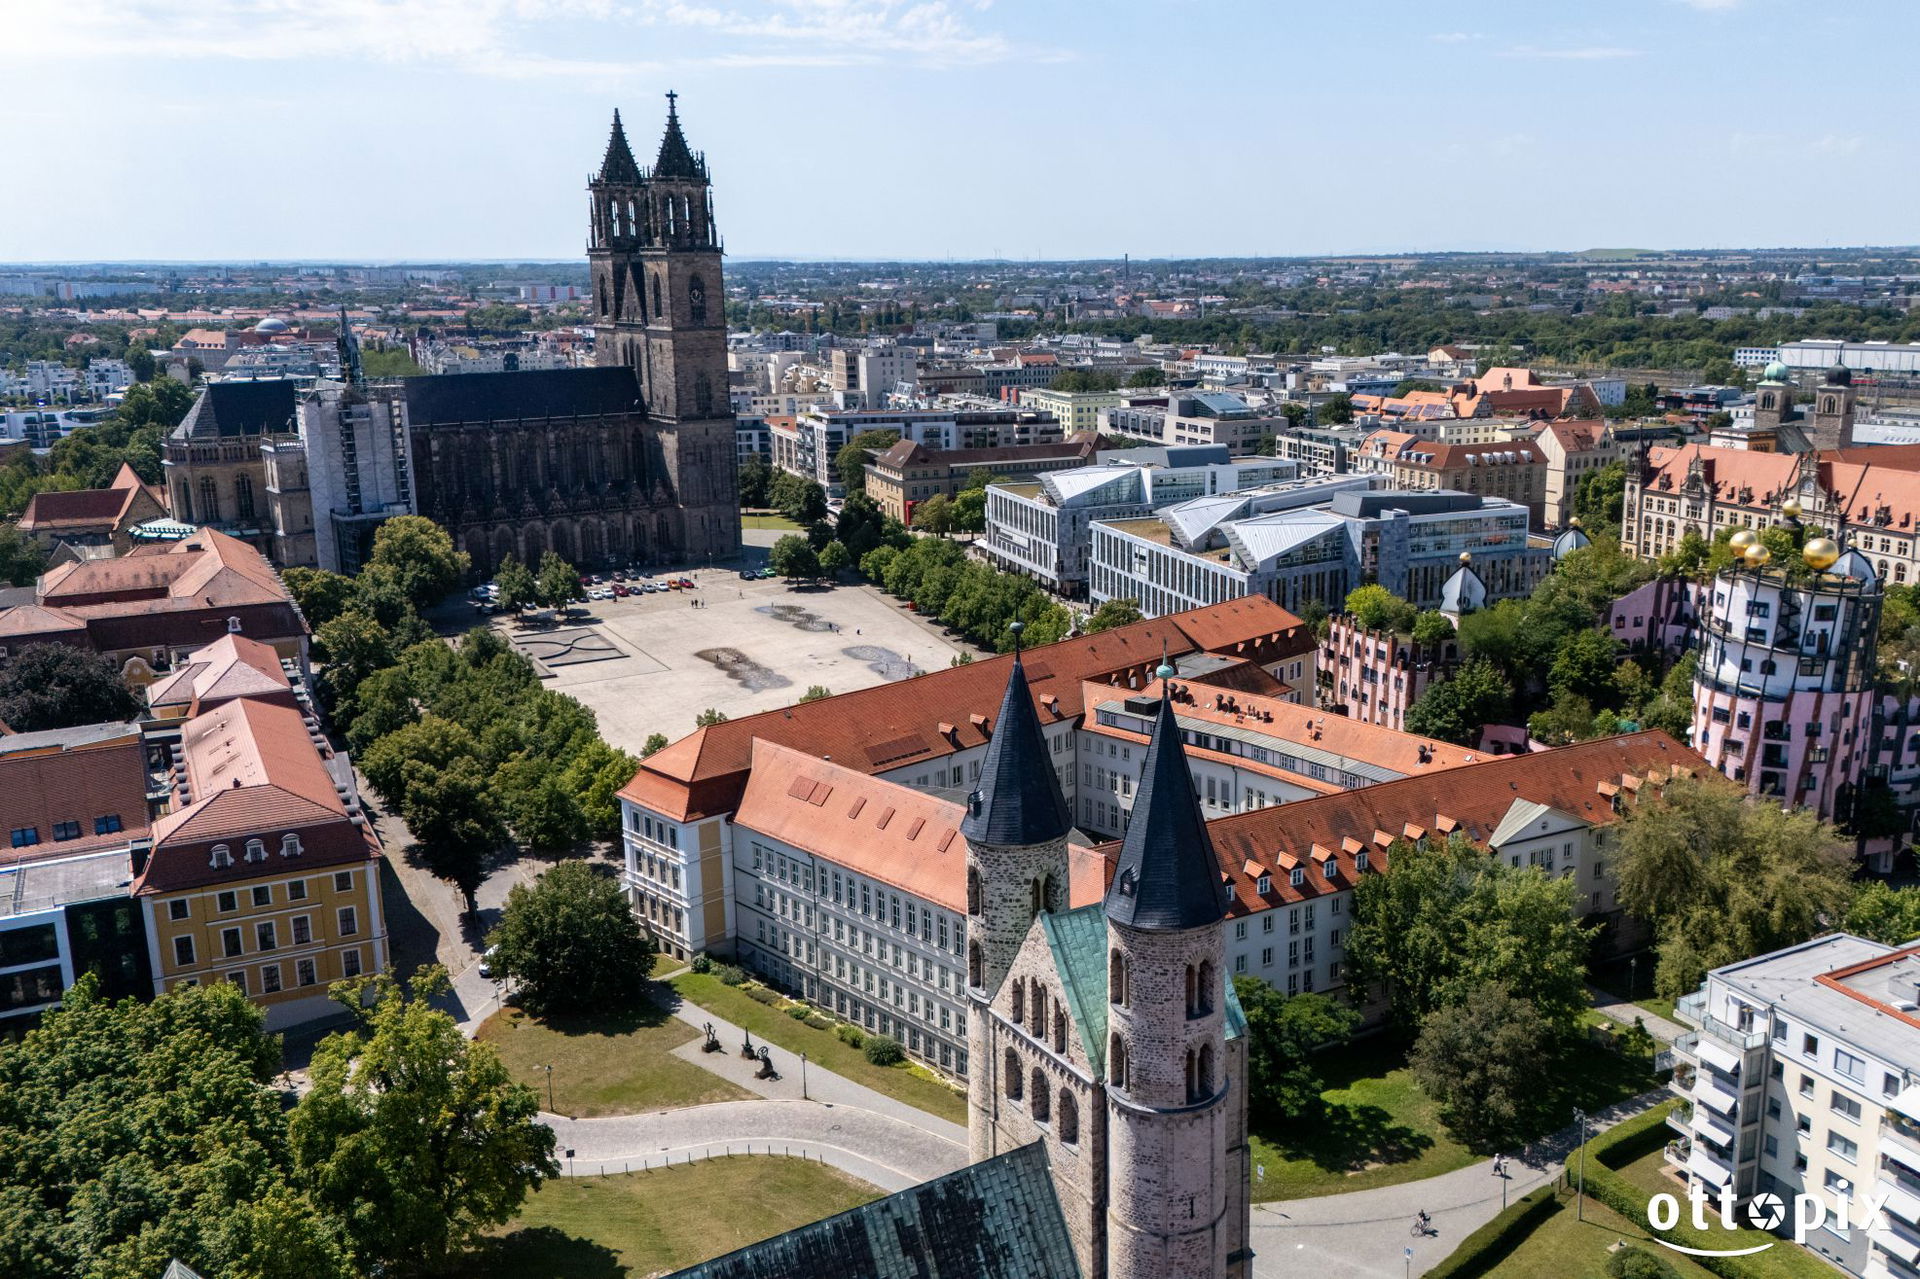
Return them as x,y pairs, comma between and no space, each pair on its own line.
697,293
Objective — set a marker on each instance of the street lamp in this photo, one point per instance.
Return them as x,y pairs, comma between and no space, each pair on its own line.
550,1106
1580,1208
803,1078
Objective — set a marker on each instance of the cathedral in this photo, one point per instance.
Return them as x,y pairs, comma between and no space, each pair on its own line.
1107,1086
629,461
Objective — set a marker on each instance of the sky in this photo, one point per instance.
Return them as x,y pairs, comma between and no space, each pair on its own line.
436,130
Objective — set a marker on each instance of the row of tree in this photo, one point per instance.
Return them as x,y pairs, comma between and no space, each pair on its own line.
462,741
972,598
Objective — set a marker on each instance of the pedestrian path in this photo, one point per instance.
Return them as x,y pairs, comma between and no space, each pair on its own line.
1366,1234
1661,1028
884,1151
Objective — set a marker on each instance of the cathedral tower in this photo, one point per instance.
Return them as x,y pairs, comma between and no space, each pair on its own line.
1175,1096
616,229
1016,832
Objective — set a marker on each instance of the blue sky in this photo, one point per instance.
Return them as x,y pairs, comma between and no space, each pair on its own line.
438,129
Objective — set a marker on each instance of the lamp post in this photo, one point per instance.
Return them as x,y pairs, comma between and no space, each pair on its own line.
803,1078
550,1105
1580,1202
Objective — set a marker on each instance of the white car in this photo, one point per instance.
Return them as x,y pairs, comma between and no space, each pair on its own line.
600,593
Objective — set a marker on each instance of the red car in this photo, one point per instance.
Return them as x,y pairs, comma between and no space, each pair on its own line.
620,590
688,584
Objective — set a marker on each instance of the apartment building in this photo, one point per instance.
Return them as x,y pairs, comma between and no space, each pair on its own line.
1803,1077
1572,450
1203,417
902,477
1514,471
1077,410
265,873
1375,676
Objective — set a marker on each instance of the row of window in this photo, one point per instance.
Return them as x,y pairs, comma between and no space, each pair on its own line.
227,900
874,901
270,976
221,855
1039,1099
266,936
27,836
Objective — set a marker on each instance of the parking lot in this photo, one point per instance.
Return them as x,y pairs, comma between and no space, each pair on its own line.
651,663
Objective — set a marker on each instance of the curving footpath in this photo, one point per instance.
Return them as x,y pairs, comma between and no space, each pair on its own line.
880,1149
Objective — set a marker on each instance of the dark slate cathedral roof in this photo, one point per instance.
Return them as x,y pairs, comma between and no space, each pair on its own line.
1017,801
997,1219
1168,877
442,399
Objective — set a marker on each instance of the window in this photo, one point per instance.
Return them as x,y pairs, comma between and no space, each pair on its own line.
1845,1147
230,941
297,890
25,835
302,929
265,936
290,846
1806,1085
303,972
263,895
239,979
1015,1082
1069,1123
106,825
1847,1064
177,909
1889,1085
1841,1104
221,857
183,952
349,963
228,901
349,921
256,850
66,830
343,881
1810,1045
270,979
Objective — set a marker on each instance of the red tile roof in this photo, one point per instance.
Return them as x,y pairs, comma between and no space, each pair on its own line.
72,776
232,666
892,725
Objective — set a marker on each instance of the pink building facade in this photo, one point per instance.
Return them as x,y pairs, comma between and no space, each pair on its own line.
1374,676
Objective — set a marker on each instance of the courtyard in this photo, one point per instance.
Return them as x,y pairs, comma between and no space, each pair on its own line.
651,663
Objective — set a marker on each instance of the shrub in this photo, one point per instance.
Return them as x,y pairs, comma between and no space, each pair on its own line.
760,994
1488,1246
884,1050
702,963
797,1012
1637,1263
730,974
818,1022
850,1035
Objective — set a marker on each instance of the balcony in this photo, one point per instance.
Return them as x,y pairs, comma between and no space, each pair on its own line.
1896,1238
1684,1076
1902,1135
1678,1152
1902,1191
1680,1119
1687,1047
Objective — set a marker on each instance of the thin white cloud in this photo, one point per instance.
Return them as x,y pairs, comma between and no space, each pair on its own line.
1576,53
499,37
1454,37
1712,6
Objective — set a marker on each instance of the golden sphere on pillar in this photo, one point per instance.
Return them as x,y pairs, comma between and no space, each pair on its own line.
1756,555
1820,554
1741,540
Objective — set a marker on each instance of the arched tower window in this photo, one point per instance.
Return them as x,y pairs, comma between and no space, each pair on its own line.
1069,1125
600,294
697,300
976,965
1193,988
1019,999
1206,1072
1039,1023
1033,898
243,495
1116,1060
657,308
1059,1030
973,890
1014,1078
209,500
1117,978
702,395
1050,894
1041,1097
1209,980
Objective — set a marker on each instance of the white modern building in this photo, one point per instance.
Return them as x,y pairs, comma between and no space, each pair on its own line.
1804,1077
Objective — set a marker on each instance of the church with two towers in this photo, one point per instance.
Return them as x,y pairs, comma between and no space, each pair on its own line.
1107,1090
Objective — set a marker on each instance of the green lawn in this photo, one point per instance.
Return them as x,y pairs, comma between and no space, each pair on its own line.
1381,1128
651,1223
769,521
911,1084
1785,1260
1565,1247
1657,1004
618,1065
664,963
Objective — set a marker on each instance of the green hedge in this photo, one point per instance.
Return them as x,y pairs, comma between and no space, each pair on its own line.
1639,1137
1488,1246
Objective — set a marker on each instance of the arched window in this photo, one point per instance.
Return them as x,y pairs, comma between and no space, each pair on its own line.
222,857
1014,1077
1059,1030
1206,1072
1041,1109
1193,988
1117,978
600,294
702,395
697,300
657,308
976,966
1050,894
243,495
256,850
1209,981
290,845
1069,1123
1033,898
1039,1023
1019,999
973,890
1116,1060
209,500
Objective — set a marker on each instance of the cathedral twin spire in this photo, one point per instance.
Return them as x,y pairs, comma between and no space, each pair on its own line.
676,161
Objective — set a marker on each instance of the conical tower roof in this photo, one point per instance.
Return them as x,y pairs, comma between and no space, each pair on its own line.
619,167
1168,877
677,159
1017,801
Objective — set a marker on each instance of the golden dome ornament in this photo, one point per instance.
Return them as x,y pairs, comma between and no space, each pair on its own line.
1790,509
1821,554
1741,540
1756,555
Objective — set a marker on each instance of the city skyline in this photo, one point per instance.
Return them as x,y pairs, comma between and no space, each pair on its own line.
870,130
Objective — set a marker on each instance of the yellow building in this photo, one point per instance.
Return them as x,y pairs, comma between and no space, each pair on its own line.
265,873
1077,410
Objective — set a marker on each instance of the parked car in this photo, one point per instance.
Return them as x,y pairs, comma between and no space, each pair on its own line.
688,584
486,963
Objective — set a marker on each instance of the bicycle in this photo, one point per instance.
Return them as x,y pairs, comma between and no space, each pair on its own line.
1422,1226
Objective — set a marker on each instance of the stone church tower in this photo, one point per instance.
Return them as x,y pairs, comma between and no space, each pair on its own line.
659,308
1109,1033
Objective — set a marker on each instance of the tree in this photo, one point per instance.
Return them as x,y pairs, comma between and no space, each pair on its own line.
1378,609
816,693
1584,668
850,463
321,594
1283,1035
354,646
415,1137
1337,411
517,585
756,474
655,743
1455,710
799,499
1407,386
970,510
1599,498
559,581
573,942
1885,913
389,362
58,686
1483,1060
793,557
134,1132
1084,380
421,555
1722,877
162,403
934,515
709,717
1112,613
1152,375
835,559
861,526
1432,627
21,559
1448,917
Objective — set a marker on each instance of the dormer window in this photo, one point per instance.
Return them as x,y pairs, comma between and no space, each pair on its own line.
222,857
233,626
290,846
1297,876
1265,885
256,850
1360,860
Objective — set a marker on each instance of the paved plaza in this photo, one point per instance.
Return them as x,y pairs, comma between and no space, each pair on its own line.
651,663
